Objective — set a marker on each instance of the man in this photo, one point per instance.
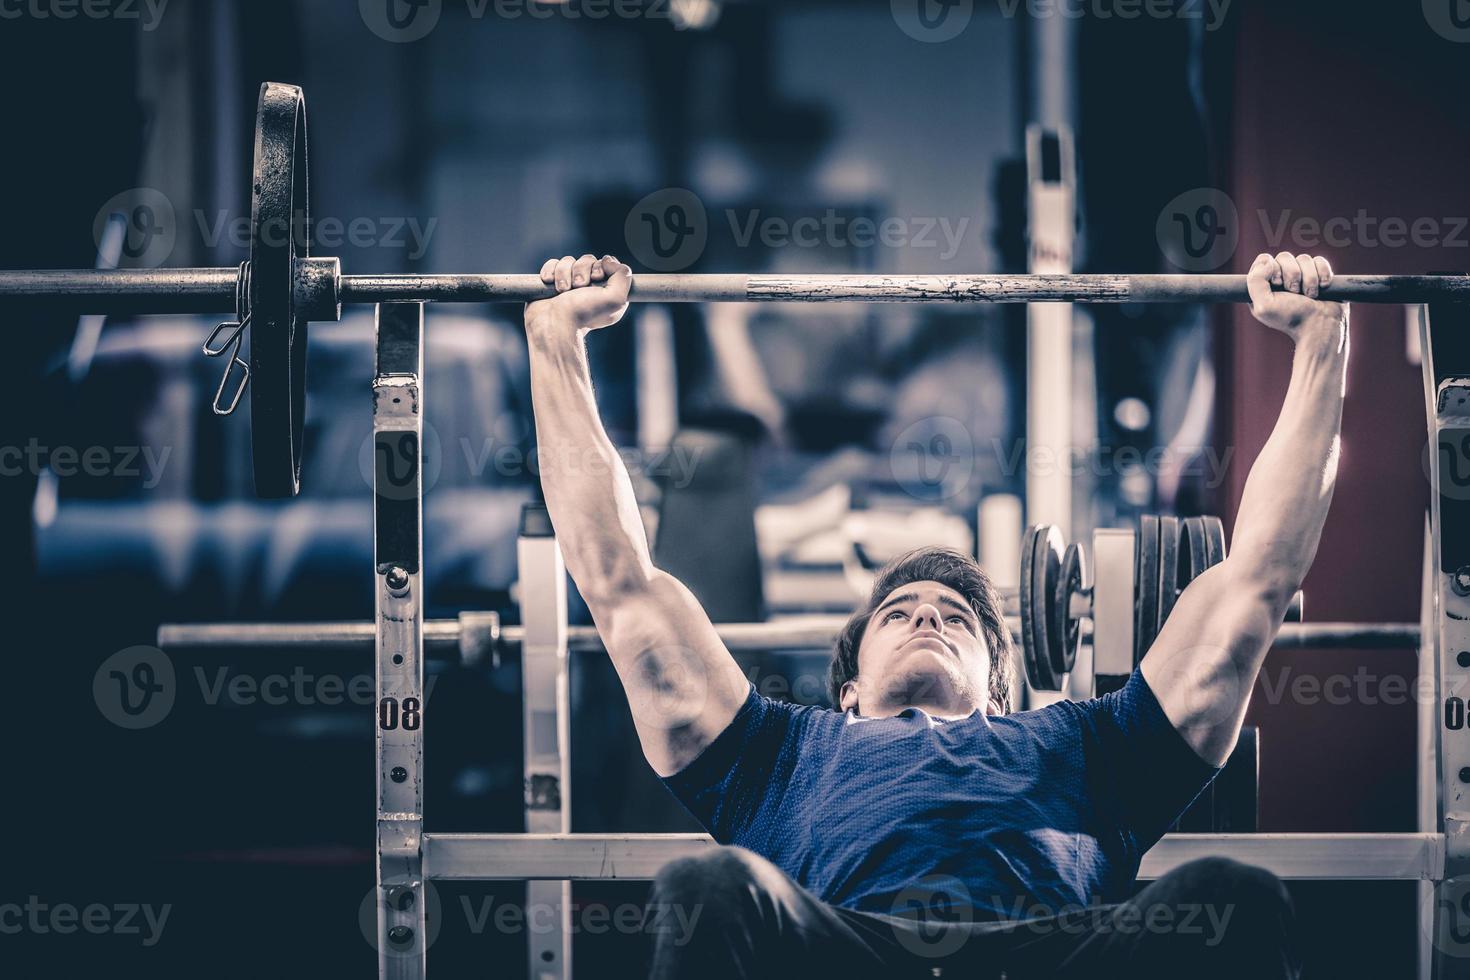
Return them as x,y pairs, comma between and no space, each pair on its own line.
1021,833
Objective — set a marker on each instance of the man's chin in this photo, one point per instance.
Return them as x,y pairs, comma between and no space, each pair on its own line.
928,677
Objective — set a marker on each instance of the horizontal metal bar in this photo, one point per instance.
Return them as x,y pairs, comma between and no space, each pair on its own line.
901,289
213,290
1346,857
442,637
502,857
1354,636
1357,857
123,290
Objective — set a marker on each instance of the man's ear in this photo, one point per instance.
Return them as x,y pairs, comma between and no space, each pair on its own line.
849,698
992,707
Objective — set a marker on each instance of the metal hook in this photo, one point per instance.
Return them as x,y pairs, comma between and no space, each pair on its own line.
237,329
233,347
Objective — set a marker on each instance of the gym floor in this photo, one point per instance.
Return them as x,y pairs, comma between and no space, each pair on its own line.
779,451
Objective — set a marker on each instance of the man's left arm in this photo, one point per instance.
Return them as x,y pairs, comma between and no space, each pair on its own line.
1204,662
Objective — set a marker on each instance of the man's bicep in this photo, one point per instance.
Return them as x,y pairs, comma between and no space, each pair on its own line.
683,687
1204,662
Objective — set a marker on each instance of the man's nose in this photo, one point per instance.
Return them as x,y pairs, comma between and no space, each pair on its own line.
927,617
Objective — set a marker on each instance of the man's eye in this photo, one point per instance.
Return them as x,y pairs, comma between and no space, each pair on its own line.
896,612
962,621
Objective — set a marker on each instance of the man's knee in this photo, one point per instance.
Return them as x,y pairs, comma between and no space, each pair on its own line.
1225,884
714,909
1238,914
720,874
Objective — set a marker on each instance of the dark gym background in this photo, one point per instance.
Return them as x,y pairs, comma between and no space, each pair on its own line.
529,137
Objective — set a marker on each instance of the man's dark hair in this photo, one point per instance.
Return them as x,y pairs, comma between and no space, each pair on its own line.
947,567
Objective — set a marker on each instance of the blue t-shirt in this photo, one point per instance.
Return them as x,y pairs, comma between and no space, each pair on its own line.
1051,807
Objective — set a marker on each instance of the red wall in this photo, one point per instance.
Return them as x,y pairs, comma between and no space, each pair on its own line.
1336,111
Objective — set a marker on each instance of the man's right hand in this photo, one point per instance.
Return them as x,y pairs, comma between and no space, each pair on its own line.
1294,307
592,293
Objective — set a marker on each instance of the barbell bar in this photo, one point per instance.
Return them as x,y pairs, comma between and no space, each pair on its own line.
479,637
282,287
321,289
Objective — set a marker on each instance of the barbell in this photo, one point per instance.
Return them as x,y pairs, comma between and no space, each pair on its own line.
1054,603
475,638
1058,595
282,287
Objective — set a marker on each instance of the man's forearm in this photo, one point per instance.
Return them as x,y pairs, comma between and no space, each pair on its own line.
588,492
1289,489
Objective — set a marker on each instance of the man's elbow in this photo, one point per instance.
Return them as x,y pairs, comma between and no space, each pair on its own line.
606,579
637,588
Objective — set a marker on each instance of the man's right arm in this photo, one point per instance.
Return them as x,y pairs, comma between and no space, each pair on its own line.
683,686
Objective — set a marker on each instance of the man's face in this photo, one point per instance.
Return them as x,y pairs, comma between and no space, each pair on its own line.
923,647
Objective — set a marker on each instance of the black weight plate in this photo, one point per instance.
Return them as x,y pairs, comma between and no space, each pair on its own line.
1046,560
279,220
1171,554
1034,610
1066,632
1036,674
1214,540
1048,566
1192,557
1145,586
1194,535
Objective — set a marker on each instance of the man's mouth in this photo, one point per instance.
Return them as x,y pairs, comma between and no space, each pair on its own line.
933,640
